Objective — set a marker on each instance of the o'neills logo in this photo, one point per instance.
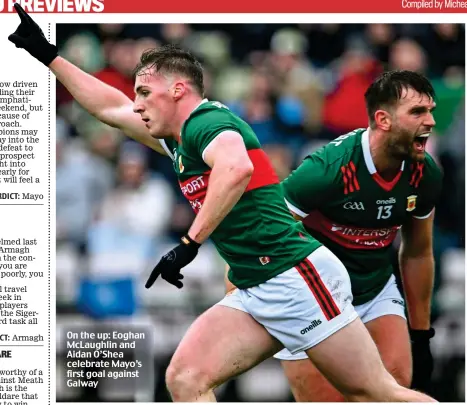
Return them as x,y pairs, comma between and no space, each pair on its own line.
311,326
392,200
194,189
54,6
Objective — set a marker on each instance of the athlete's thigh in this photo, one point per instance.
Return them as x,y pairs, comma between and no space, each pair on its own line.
223,342
349,359
384,318
391,335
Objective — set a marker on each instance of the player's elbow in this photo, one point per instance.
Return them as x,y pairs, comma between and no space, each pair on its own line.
245,169
239,170
243,172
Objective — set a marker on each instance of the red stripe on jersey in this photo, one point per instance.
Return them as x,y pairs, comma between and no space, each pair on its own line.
421,174
354,170
350,175
417,174
195,188
346,181
264,173
349,236
386,185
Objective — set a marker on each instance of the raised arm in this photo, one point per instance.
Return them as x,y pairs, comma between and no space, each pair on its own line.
104,102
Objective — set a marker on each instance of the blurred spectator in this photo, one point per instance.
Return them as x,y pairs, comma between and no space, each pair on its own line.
380,37
327,42
137,204
407,54
443,43
122,59
79,190
344,108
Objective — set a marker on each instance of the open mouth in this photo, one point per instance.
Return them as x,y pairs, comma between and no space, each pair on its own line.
420,142
146,121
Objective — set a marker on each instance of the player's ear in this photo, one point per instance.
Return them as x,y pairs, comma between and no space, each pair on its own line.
383,120
178,90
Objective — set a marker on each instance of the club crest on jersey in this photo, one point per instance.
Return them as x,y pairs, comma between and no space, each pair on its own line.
411,200
264,260
181,168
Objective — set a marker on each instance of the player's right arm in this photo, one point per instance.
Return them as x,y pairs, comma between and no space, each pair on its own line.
106,103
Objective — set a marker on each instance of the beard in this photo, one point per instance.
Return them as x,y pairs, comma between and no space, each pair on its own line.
401,145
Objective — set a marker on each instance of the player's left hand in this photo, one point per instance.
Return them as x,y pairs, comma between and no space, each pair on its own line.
172,262
422,359
30,37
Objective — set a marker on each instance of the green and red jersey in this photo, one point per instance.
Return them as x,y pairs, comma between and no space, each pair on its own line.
354,212
259,237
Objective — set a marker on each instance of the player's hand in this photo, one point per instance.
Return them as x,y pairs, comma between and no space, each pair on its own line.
172,262
30,37
422,359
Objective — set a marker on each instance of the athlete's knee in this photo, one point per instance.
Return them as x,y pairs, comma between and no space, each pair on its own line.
186,382
308,384
379,388
402,373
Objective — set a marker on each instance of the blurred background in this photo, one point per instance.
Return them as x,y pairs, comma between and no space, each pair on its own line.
119,207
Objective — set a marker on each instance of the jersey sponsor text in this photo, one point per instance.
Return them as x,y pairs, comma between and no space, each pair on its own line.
351,237
194,189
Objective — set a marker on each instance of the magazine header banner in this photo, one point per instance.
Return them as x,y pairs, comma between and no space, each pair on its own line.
239,6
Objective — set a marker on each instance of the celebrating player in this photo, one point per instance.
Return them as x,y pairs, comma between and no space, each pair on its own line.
293,292
353,195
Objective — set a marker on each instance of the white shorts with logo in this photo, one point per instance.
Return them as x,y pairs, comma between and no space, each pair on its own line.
302,306
388,302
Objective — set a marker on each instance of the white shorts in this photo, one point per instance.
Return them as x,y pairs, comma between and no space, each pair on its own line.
302,306
388,302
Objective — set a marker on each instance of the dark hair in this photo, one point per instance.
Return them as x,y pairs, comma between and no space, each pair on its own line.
387,89
172,59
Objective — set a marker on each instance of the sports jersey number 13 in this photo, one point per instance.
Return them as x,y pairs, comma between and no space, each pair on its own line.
384,211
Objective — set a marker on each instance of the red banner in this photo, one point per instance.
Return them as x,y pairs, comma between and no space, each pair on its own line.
239,6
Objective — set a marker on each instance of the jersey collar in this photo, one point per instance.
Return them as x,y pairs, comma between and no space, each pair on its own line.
204,100
385,185
367,154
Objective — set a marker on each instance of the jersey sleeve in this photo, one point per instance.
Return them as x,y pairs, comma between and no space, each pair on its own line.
430,189
203,129
308,187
